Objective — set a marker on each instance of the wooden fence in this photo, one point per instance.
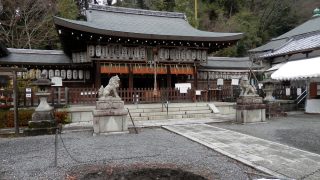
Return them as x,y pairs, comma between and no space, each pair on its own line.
88,96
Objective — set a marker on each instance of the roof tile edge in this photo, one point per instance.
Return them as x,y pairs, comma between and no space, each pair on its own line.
35,51
137,11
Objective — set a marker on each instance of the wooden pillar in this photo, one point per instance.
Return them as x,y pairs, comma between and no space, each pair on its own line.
15,103
195,74
168,77
130,77
97,77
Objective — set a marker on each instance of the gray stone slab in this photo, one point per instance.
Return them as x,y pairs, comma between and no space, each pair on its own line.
274,158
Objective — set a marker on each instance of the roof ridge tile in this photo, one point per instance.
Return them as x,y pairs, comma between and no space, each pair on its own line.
137,11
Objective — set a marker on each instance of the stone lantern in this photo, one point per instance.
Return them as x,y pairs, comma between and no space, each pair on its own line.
43,121
268,85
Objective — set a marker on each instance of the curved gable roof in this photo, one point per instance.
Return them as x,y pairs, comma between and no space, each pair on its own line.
135,23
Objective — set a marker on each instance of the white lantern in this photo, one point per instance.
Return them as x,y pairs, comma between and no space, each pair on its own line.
199,55
45,72
57,73
130,52
69,74
183,55
80,74
188,56
166,53
19,74
161,54
98,50
38,73
136,53
124,53
63,74
193,54
111,51
117,51
91,50
75,74
51,73
32,74
178,54
106,50
172,54
142,53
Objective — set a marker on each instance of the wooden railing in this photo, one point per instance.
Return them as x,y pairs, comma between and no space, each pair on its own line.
87,96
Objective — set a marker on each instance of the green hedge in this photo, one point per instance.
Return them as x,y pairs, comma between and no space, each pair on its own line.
7,118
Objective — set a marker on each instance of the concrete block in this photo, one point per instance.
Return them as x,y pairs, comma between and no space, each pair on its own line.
213,108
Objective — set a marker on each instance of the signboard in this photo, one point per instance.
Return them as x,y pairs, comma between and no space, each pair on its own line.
57,81
220,82
198,92
298,91
183,87
28,92
235,82
287,91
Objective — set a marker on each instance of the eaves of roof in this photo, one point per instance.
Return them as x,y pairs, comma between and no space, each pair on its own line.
28,56
142,25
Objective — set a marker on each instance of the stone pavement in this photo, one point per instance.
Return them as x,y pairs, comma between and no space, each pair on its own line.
276,159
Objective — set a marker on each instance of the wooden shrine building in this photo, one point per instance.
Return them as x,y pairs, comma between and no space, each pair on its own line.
147,49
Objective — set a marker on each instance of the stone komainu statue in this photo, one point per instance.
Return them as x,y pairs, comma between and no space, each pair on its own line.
111,89
246,88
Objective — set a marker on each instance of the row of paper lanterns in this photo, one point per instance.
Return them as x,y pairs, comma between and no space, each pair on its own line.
64,74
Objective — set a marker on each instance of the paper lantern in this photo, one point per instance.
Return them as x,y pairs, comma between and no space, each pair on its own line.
80,74
63,74
57,73
75,74
69,74
38,73
51,73
98,50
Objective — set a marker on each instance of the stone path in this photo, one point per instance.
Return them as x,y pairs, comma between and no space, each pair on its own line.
276,159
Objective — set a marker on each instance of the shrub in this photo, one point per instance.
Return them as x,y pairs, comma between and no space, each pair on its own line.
24,116
62,117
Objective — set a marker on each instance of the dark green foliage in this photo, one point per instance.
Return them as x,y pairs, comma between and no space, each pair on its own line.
259,20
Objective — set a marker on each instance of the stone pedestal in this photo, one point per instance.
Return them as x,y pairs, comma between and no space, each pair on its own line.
250,109
43,121
110,117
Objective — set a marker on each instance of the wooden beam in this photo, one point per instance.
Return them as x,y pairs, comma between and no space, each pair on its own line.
13,69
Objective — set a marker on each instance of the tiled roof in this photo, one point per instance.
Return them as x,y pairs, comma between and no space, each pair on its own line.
310,26
229,63
25,56
133,23
298,44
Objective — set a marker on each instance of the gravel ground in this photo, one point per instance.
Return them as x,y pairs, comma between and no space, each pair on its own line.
301,131
33,157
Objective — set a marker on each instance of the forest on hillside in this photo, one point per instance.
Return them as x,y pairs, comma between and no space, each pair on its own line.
28,23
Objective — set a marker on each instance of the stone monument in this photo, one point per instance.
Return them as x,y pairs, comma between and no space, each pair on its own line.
110,116
43,121
250,107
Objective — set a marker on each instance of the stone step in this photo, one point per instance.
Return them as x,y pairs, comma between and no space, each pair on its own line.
199,112
165,117
162,113
170,109
173,105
